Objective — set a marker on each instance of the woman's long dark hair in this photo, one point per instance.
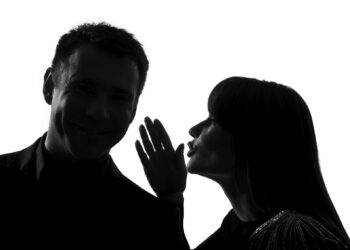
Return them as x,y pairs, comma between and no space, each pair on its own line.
275,147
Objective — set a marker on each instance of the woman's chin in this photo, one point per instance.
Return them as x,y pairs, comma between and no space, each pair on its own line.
190,170
200,169
191,166
194,167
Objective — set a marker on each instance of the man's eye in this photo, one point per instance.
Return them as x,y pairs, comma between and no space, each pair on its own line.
120,98
85,89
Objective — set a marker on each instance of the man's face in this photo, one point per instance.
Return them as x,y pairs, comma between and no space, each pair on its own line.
93,103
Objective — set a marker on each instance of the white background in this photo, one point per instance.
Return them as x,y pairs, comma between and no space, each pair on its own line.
191,45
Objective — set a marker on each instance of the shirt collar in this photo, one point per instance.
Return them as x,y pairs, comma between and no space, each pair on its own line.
40,156
42,160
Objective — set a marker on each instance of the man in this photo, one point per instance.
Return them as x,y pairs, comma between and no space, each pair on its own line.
64,190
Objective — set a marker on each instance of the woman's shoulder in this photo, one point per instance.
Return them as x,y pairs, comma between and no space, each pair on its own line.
290,230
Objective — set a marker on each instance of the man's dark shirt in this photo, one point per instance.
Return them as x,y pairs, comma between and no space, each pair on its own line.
47,204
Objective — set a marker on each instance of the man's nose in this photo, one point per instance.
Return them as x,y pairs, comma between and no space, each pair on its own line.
98,109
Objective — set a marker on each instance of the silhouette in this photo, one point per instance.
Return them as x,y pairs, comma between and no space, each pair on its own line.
64,190
259,145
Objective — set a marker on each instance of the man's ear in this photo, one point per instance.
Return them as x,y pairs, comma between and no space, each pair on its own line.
48,86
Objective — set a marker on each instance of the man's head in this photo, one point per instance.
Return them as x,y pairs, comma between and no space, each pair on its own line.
115,41
93,87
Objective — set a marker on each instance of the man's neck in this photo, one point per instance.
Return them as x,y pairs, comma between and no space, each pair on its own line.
77,172
61,155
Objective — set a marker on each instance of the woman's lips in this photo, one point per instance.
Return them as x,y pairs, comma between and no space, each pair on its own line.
191,152
192,148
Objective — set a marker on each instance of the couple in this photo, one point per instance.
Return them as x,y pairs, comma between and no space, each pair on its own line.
258,143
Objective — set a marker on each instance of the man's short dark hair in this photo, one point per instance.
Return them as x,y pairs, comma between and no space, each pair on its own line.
116,41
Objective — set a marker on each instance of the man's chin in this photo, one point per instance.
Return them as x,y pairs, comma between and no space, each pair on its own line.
90,155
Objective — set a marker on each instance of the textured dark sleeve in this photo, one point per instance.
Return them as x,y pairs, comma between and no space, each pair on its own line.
296,232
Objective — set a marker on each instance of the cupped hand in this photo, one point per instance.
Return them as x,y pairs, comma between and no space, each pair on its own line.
164,167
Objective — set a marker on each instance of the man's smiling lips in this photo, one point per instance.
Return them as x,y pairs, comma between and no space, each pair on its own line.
90,131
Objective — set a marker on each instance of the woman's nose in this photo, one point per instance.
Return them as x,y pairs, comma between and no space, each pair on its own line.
196,130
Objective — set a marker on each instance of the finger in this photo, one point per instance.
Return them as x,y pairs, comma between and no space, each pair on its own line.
164,136
180,149
142,155
180,156
146,142
144,160
153,134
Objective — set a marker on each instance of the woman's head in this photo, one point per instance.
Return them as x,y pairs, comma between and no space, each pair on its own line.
273,139
273,146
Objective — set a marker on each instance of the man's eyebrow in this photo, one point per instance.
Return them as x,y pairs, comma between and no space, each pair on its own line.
114,90
121,91
83,80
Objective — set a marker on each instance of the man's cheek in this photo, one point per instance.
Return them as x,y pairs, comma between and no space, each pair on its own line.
122,116
59,122
119,127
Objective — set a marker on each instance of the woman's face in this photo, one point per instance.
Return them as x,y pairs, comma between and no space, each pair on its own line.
211,151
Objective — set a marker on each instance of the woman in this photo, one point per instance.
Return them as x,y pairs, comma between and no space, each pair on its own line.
259,144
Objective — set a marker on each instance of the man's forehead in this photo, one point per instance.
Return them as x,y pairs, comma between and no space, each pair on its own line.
93,55
90,56
96,66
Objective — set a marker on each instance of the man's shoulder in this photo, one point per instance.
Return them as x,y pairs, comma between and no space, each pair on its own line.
120,181
7,158
14,160
134,194
9,161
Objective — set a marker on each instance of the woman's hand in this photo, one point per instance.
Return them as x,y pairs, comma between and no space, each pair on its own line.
164,167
